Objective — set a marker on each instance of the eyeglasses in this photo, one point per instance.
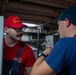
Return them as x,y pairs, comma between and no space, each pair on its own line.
18,29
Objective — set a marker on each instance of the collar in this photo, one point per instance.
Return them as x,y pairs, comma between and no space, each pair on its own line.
74,35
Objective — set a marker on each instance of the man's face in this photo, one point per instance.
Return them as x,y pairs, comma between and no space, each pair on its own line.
61,28
15,33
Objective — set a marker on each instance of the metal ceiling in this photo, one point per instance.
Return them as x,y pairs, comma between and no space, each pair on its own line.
42,12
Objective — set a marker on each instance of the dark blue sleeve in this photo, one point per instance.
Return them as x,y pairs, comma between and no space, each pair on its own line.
59,56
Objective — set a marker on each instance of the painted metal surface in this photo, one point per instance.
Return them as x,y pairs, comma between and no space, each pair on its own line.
1,41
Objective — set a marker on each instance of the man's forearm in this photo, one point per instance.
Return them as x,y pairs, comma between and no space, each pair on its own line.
41,58
38,62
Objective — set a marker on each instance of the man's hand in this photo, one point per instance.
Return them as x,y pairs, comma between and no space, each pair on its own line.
47,50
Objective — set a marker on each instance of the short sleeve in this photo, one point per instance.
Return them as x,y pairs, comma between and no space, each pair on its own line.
30,58
59,55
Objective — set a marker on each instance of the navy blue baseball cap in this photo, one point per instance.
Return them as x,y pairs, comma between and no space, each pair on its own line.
70,14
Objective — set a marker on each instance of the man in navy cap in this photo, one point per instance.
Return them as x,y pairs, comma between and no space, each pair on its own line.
61,59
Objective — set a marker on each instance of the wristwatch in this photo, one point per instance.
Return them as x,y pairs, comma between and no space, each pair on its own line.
42,54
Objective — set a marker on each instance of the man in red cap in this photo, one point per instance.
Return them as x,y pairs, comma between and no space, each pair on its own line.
13,28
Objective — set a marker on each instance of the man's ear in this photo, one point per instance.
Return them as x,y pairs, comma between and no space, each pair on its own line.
6,29
67,22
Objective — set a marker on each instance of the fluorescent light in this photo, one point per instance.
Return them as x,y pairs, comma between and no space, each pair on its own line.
30,25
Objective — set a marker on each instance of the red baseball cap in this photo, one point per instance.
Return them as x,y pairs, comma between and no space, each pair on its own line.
14,22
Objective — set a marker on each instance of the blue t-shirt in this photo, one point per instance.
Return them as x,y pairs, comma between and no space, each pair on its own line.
63,56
